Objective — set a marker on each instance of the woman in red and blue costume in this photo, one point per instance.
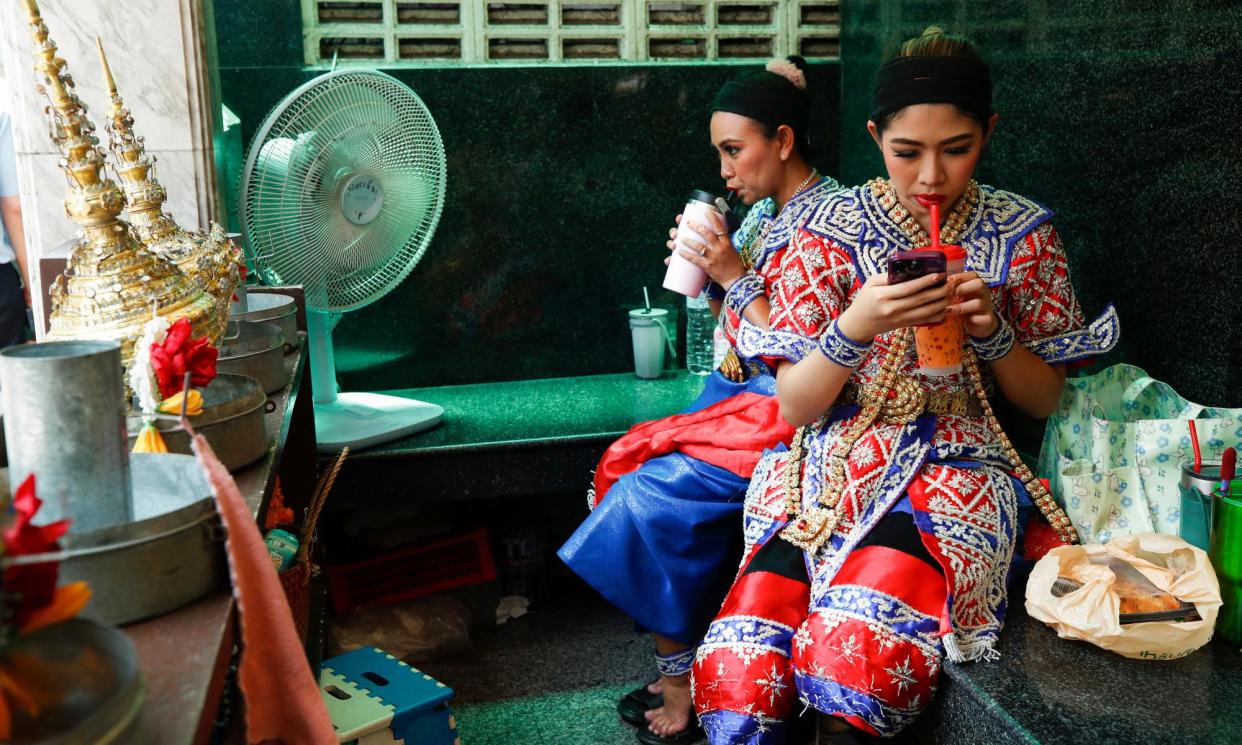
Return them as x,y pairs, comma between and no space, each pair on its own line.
662,542
880,543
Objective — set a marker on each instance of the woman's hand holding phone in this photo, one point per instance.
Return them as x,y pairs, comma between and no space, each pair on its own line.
974,304
880,307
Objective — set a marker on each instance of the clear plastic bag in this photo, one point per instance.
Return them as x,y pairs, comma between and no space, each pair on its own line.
417,630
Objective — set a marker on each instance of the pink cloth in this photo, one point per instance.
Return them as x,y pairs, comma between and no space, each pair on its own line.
282,698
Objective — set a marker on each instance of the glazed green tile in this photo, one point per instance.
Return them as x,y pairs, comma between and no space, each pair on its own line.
562,182
1112,114
257,34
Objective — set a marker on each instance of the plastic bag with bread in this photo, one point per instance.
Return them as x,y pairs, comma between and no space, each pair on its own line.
1148,596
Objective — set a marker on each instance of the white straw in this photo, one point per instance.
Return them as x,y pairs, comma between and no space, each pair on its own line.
647,299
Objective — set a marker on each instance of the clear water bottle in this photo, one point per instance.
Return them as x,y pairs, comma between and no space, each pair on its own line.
720,347
700,325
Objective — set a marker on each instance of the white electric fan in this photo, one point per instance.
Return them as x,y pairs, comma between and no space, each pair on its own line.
341,193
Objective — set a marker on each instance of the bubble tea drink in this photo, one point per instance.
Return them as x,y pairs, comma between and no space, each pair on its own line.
940,345
682,276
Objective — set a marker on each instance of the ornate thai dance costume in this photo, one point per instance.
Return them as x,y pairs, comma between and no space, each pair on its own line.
663,539
881,541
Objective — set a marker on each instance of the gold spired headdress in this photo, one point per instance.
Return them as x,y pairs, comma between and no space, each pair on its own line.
209,260
111,282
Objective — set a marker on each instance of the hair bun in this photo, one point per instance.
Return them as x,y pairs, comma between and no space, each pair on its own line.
792,68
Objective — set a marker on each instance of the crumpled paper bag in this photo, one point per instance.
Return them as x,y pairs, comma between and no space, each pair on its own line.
1091,612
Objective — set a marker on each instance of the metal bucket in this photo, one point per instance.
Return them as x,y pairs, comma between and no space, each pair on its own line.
255,350
64,402
270,307
233,422
89,681
169,555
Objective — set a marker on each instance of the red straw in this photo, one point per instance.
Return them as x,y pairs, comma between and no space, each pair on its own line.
1194,444
935,226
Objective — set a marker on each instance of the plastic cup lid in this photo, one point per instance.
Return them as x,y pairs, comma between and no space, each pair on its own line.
953,253
652,314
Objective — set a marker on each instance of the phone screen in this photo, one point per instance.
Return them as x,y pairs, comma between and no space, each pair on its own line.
904,266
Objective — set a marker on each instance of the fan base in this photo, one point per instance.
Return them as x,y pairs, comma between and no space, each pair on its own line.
361,420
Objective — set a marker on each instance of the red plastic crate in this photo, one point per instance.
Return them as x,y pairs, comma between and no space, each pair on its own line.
407,573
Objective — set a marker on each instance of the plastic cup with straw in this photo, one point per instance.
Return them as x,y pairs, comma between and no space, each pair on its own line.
939,345
649,337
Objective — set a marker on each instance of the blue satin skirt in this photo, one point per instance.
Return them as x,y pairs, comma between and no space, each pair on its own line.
665,542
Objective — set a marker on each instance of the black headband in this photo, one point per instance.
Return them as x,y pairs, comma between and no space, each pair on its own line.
767,98
904,81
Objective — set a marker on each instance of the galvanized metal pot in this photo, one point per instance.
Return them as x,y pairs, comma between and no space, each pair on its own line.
255,350
233,421
64,421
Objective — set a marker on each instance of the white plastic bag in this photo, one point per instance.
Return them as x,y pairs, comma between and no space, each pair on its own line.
1092,612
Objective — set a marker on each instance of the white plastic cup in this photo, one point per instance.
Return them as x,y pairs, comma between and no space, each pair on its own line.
649,335
682,276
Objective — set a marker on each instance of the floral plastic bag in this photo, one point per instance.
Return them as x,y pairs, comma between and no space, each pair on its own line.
1114,449
1083,591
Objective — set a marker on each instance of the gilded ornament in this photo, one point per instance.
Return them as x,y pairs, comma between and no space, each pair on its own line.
99,295
207,259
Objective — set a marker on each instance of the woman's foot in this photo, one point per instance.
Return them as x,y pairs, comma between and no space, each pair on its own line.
634,705
674,715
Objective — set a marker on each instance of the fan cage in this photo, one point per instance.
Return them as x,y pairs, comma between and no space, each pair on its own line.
341,125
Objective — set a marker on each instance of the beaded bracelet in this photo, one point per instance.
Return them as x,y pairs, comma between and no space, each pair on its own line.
840,349
743,292
673,665
997,344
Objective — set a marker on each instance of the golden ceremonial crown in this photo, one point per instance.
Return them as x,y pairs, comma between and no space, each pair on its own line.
111,284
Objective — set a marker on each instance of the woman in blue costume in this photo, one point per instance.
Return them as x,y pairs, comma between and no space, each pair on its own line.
662,542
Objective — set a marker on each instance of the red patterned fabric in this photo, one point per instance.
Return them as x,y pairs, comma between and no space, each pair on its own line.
731,434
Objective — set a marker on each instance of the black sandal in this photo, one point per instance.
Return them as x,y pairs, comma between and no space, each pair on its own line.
691,734
634,706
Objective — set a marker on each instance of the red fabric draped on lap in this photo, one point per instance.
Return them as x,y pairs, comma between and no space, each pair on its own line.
731,434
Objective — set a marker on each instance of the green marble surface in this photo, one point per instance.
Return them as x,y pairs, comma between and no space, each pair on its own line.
1116,114
1050,690
547,412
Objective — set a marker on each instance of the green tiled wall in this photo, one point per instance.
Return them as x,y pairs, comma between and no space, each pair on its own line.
1121,116
562,182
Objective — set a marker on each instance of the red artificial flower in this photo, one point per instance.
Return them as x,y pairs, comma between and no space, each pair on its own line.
34,585
178,354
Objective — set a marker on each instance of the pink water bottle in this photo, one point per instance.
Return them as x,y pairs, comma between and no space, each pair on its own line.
682,276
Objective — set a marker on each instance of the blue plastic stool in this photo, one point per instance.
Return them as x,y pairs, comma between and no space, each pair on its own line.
375,699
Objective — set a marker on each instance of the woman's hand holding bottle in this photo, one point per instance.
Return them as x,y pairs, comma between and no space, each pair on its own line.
715,255
879,307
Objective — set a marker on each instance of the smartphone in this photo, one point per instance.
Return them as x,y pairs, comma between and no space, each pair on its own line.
904,266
